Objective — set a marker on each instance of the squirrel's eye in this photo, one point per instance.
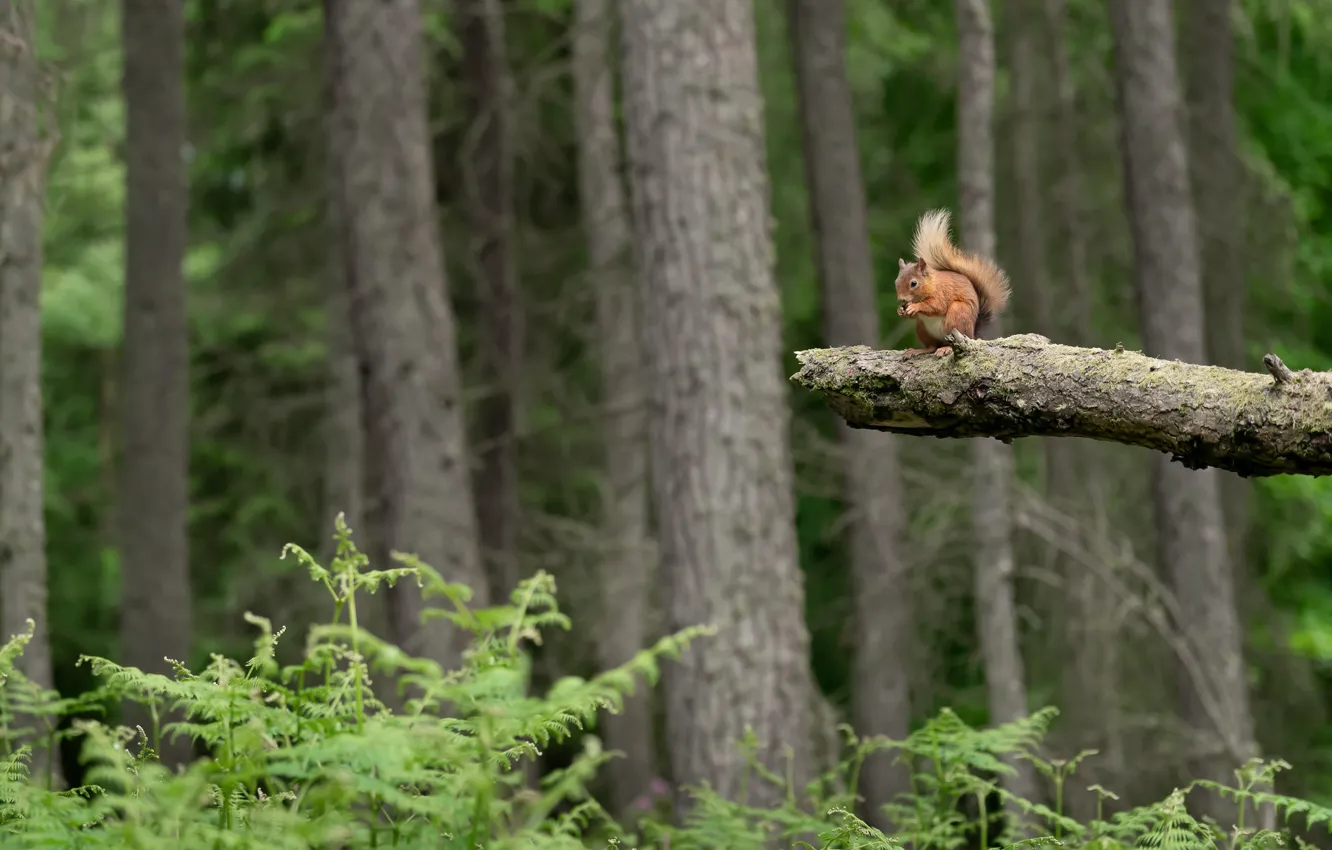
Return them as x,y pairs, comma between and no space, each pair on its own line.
915,283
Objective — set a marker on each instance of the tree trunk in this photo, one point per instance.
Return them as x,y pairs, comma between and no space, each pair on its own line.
1005,678
344,441
154,475
347,473
1089,680
343,447
1217,175
1191,541
419,499
1080,642
627,564
27,149
881,702
487,177
721,458
1218,194
488,198
1032,265
1070,188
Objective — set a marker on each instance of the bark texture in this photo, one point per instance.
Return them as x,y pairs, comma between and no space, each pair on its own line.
154,408
1191,539
419,498
628,561
24,152
881,703
722,468
1026,386
488,197
1005,675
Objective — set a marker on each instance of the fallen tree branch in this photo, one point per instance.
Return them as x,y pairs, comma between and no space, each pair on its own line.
1026,386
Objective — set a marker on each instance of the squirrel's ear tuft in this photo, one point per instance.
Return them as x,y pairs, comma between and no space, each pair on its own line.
920,265
901,264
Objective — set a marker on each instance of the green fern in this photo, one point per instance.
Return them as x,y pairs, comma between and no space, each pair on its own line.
306,756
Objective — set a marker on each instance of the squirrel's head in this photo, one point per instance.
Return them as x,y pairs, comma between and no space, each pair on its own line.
911,279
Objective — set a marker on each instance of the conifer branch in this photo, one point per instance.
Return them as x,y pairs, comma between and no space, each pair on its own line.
1253,424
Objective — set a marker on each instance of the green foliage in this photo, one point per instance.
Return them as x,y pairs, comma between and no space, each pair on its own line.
307,756
1283,65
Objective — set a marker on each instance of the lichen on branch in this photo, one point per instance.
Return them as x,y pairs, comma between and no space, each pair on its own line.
1025,386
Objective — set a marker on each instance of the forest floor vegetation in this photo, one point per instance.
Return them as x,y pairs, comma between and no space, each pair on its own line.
306,756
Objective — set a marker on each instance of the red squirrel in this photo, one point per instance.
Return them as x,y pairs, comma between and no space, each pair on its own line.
947,288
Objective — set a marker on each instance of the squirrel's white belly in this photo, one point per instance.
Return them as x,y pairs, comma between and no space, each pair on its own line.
933,326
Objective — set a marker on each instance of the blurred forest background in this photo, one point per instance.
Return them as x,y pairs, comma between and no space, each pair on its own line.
369,265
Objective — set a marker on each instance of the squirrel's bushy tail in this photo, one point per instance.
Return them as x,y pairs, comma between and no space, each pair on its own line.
934,245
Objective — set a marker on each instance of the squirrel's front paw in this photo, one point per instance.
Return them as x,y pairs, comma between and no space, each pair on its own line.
910,310
943,351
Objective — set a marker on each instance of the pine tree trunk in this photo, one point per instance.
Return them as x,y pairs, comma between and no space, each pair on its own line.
23,583
487,193
1070,188
881,703
993,461
154,405
344,441
628,560
347,474
418,498
1218,193
1191,539
721,458
1088,683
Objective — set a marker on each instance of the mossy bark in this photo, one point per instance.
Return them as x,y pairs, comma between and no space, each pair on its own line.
1026,386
